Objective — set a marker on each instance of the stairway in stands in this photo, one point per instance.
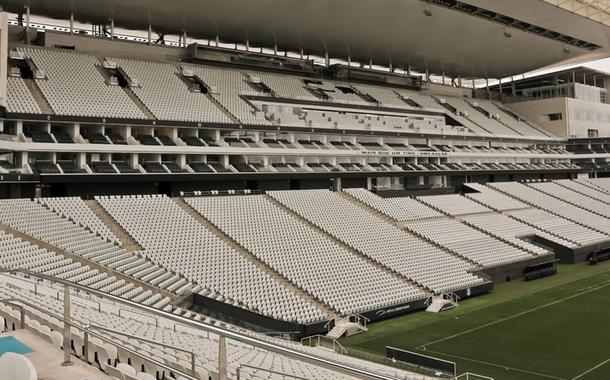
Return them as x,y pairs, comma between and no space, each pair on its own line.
43,104
128,243
367,208
330,313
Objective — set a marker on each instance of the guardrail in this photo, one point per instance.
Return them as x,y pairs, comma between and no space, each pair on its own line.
246,366
319,339
88,332
223,333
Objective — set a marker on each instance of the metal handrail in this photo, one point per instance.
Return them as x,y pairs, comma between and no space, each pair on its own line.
88,332
141,314
360,373
238,371
320,337
156,343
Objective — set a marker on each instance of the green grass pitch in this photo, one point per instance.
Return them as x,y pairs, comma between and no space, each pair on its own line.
553,328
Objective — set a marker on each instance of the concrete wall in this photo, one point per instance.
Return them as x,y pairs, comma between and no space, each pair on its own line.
537,111
584,115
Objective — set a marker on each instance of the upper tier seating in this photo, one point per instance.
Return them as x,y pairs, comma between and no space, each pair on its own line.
229,85
470,243
286,86
200,256
518,126
340,279
19,98
398,250
453,204
386,97
400,209
73,86
476,116
167,96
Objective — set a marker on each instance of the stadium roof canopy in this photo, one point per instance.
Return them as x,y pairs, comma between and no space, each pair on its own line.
470,38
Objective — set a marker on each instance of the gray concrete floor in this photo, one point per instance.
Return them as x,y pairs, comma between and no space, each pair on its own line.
47,360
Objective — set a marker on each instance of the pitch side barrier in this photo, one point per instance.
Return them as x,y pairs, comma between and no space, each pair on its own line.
420,360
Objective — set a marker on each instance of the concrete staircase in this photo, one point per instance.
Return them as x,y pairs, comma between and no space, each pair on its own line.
43,104
128,243
368,208
345,327
324,309
440,303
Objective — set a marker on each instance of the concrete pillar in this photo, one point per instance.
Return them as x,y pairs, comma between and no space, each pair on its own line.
149,34
338,185
222,358
27,24
18,127
134,160
3,57
67,346
326,59
21,159
112,28
81,159
181,160
71,23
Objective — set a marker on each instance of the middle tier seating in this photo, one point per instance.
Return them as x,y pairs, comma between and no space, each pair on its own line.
171,237
397,250
339,278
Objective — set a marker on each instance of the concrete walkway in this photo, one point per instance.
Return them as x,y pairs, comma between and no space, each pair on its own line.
47,360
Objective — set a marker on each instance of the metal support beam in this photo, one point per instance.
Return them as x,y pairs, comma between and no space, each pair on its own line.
222,358
27,24
67,357
3,58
